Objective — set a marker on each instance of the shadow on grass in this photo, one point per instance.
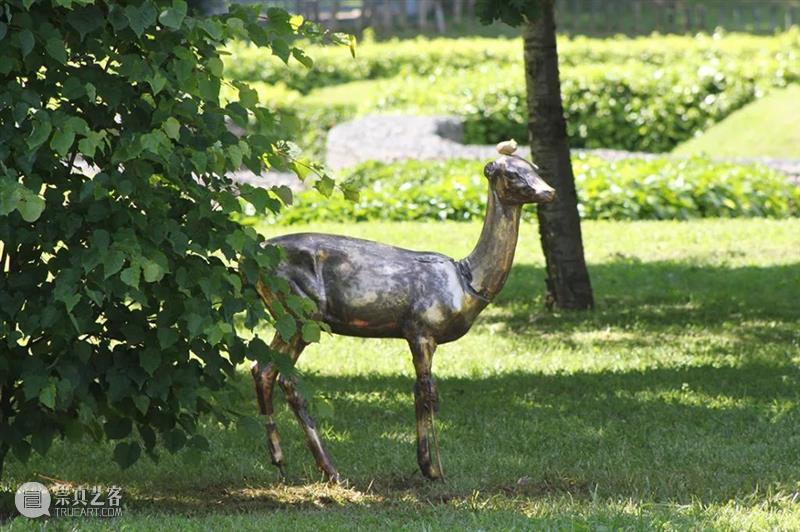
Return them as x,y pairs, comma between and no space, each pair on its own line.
701,433
764,302
704,432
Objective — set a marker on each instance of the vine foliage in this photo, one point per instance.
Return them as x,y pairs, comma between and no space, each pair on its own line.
126,252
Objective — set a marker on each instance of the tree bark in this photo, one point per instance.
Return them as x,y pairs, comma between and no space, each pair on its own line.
333,23
458,11
568,284
438,10
423,6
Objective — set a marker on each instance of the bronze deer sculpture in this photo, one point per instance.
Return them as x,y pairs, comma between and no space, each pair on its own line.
372,290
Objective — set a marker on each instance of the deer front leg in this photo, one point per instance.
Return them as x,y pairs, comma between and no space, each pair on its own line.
300,407
264,376
426,402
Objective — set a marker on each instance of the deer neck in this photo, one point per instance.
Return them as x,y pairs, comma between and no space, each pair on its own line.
490,262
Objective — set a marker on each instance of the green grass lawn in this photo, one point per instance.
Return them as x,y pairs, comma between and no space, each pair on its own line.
768,127
674,405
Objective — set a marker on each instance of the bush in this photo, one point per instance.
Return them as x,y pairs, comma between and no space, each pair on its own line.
631,189
423,57
644,94
122,288
419,56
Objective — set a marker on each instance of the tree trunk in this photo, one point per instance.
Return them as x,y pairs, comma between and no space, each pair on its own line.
439,16
387,12
333,23
423,6
568,284
458,11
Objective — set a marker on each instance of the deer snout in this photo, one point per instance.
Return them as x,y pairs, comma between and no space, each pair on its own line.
545,194
541,192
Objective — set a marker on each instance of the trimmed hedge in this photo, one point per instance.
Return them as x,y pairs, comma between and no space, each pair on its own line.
631,189
644,94
423,57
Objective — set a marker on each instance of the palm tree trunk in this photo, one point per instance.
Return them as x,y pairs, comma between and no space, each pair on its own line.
568,284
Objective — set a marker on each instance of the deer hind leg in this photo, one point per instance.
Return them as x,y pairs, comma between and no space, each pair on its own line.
426,402
264,376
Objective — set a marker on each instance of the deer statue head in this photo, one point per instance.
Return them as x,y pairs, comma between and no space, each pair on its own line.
515,180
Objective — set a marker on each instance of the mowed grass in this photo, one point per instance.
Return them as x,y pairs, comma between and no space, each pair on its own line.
673,405
768,127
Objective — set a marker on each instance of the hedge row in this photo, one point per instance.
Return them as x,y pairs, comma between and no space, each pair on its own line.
632,94
631,189
423,57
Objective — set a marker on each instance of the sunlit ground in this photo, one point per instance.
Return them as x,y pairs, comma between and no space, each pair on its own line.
674,404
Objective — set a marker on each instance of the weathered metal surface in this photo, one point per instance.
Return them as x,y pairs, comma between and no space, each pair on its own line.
368,289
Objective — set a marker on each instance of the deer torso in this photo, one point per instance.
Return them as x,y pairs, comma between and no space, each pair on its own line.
368,289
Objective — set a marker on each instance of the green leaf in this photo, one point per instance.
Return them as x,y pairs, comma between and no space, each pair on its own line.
301,56
157,83
41,130
112,262
130,275
70,300
30,206
281,49
3,30
215,66
172,128
57,50
286,327
154,140
26,42
284,193
142,403
127,453
301,169
88,146
211,27
247,96
10,194
140,18
153,272
47,395
174,440
150,360
311,332
62,141
325,185
172,17
86,20
166,337
118,428
117,18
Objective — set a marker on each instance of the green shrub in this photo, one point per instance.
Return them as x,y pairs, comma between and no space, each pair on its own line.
423,57
645,94
419,56
632,189
122,307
